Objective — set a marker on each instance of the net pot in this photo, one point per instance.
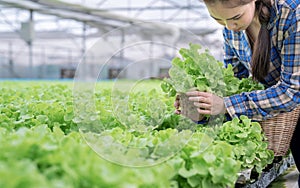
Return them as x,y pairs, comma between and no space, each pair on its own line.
188,109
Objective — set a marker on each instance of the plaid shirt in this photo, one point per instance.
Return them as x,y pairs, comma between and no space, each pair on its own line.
283,80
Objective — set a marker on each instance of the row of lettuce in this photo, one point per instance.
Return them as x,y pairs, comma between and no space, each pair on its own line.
47,141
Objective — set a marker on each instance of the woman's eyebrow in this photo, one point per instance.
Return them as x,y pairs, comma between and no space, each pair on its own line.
234,17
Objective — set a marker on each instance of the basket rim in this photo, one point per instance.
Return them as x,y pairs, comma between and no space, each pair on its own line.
278,132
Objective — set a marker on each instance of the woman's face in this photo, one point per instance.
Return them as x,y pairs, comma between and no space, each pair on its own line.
235,18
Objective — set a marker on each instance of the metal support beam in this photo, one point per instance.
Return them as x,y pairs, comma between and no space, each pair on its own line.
101,3
140,10
30,43
149,8
83,48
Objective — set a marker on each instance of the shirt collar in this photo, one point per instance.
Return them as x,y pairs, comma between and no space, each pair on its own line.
274,14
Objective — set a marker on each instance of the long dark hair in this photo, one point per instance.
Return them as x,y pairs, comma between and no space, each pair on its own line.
260,61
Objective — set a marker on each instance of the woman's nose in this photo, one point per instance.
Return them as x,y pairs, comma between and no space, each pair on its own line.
231,25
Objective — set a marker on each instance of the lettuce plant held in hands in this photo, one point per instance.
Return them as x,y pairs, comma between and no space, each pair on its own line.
194,70
204,73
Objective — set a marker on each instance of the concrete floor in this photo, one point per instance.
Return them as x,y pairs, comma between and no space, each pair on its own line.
289,179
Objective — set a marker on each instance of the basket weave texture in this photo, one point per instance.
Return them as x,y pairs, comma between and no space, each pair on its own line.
279,131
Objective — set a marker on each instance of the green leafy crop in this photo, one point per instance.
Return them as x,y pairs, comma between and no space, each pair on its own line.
250,146
203,72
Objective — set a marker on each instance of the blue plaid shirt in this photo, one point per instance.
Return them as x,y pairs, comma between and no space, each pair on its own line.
283,79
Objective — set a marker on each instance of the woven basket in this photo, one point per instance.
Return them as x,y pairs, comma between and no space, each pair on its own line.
279,131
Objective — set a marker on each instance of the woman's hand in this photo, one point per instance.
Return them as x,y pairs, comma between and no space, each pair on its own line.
207,103
177,105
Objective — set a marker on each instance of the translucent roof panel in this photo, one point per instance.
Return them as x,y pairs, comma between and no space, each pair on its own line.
183,13
68,15
11,19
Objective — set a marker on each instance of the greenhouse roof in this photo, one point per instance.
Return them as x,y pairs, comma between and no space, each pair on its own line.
71,11
108,14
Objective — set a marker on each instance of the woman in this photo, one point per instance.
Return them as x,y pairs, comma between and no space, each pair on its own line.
262,39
